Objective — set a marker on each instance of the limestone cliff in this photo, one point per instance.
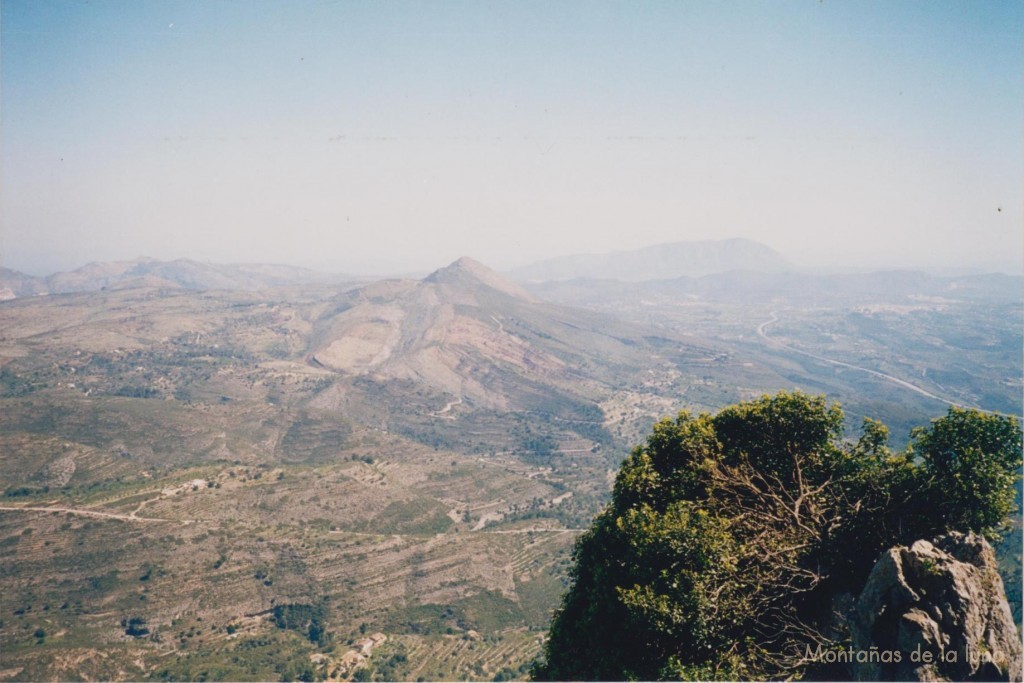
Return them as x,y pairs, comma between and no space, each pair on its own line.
941,605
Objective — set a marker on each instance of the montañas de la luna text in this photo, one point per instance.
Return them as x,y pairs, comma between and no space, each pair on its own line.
874,655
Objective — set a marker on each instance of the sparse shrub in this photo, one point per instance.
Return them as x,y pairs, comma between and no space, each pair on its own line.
135,627
18,491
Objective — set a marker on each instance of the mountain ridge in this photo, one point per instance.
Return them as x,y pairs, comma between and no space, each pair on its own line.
150,272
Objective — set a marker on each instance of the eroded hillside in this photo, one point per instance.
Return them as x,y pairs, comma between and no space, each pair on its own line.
410,458
255,484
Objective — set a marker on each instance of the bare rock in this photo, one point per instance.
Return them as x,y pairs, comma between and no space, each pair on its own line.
936,611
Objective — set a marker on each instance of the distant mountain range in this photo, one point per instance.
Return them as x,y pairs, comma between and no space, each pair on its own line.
659,262
730,269
415,455
148,272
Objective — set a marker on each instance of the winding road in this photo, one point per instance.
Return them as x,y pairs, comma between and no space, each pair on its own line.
762,331
449,406
84,513
132,518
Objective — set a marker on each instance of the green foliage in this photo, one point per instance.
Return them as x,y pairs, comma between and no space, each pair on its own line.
19,491
972,461
104,583
729,536
486,611
308,619
420,515
538,448
390,668
135,627
783,437
271,656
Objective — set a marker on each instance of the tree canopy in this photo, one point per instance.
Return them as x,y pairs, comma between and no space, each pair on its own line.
732,538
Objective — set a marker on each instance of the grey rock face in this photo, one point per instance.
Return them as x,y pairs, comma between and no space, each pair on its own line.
941,605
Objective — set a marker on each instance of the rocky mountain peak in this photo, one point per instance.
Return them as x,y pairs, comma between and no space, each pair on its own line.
468,272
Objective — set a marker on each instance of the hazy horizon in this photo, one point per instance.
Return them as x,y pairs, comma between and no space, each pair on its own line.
370,274
380,138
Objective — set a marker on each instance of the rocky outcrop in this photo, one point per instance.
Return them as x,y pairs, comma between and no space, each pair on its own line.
936,611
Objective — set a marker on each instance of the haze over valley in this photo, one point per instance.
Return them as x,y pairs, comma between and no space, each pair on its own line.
349,341
405,457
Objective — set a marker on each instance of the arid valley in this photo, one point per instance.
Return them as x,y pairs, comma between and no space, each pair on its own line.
288,476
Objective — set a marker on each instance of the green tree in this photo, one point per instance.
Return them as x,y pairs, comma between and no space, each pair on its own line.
729,537
972,460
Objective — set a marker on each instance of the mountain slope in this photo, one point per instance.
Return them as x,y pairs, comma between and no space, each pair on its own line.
469,333
195,275
14,284
148,272
661,261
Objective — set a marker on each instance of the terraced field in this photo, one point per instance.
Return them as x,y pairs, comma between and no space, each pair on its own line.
189,493
216,547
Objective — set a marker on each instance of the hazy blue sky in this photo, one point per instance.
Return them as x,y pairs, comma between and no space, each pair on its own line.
383,136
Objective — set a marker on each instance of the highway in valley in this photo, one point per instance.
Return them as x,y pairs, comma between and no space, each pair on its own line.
762,332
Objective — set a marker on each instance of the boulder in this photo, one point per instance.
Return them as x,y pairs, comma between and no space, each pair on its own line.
939,611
